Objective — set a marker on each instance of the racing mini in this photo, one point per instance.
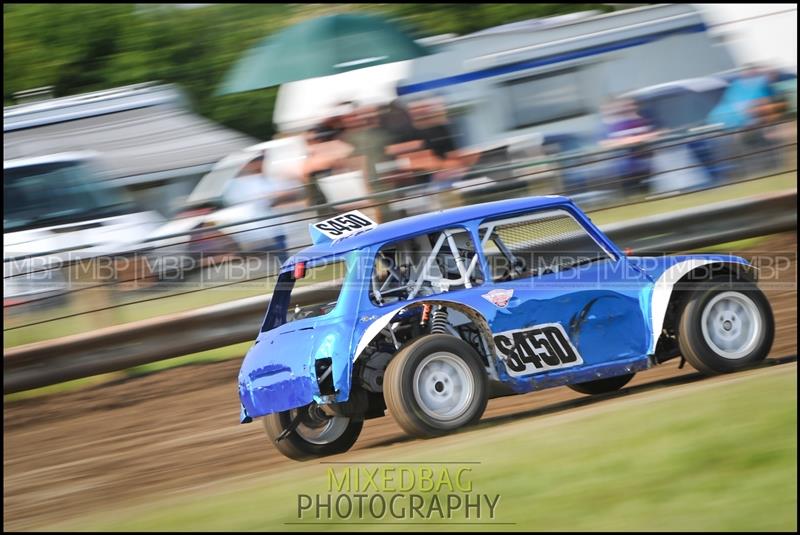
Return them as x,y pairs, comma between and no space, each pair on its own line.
430,316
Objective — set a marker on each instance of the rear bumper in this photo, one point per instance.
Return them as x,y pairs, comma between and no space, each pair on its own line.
279,372
275,388
276,377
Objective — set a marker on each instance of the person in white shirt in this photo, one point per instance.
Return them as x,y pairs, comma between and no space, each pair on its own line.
264,196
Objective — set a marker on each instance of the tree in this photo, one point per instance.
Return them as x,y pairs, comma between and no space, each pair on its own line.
78,48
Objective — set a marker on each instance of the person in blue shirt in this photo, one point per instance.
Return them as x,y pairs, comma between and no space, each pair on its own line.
747,104
739,104
626,130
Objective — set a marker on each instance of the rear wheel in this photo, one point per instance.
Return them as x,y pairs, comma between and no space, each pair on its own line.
317,434
435,385
725,327
603,386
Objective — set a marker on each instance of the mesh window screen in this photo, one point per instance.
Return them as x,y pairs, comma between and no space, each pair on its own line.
543,245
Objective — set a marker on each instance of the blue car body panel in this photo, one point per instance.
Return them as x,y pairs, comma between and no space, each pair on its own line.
611,311
606,328
278,373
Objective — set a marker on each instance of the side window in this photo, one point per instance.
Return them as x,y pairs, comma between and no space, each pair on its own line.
283,307
427,264
253,167
537,244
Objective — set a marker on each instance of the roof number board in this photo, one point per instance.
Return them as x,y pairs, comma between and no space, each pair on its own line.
345,225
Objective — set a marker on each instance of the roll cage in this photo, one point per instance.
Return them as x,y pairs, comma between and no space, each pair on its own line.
451,260
447,258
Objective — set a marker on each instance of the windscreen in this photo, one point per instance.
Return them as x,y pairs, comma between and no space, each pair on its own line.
213,185
56,193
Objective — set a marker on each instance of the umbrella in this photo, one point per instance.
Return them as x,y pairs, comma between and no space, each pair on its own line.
682,103
322,46
306,102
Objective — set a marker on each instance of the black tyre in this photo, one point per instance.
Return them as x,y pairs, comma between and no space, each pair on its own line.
603,386
435,385
726,327
317,435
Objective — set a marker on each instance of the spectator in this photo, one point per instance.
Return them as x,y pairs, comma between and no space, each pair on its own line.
772,109
397,123
749,103
429,117
368,141
625,129
781,131
432,153
248,184
265,195
739,105
326,153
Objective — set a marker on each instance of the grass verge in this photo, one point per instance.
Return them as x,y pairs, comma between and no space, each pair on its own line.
717,455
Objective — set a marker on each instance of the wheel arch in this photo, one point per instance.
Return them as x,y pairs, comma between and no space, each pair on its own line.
474,316
672,289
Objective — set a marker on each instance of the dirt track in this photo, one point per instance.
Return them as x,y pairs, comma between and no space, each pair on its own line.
176,430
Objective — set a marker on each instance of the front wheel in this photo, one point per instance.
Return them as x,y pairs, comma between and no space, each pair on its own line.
435,385
315,435
725,327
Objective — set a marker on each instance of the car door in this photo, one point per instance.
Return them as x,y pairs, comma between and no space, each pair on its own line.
564,301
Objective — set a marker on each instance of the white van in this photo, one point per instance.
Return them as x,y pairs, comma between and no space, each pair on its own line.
56,209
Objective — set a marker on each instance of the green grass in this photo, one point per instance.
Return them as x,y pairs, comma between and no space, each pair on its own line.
120,315
785,181
68,386
718,455
740,245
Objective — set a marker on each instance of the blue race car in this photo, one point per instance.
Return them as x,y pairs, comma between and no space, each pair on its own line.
432,315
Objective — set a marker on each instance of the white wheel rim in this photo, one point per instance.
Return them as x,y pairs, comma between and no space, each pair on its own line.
731,325
443,386
328,429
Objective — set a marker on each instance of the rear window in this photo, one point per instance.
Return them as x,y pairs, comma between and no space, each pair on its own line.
314,294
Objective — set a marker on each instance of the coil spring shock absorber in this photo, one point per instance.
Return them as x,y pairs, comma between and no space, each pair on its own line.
426,314
439,320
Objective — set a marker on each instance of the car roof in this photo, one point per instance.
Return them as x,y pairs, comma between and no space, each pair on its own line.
59,157
411,226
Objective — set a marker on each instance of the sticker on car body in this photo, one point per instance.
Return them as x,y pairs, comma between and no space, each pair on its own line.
536,349
499,297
